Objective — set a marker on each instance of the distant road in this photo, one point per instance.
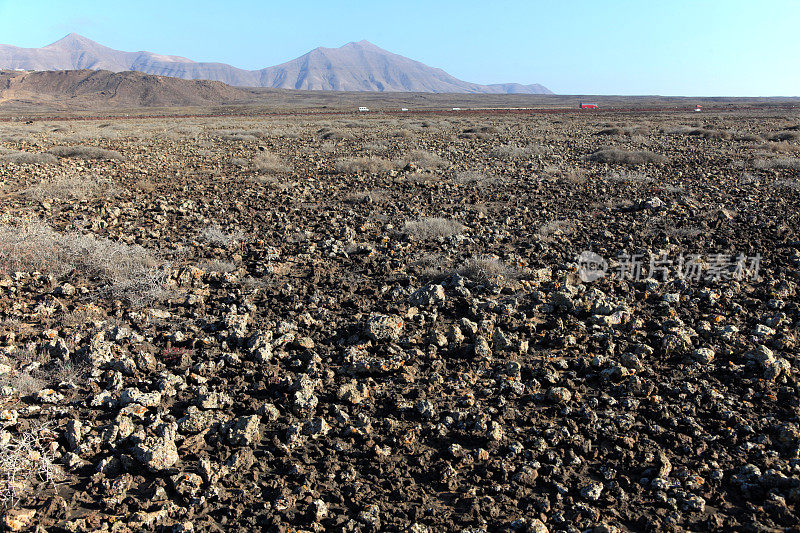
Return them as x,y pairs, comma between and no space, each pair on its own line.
414,112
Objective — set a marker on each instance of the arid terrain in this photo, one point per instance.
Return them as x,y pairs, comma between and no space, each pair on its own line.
422,323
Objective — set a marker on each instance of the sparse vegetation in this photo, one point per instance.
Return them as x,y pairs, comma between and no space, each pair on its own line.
432,228
68,186
29,158
25,459
129,271
211,318
424,159
626,157
792,163
270,163
484,267
218,237
553,228
84,152
517,152
371,165
785,136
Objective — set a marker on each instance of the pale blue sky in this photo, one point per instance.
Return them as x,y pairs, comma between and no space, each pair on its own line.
669,47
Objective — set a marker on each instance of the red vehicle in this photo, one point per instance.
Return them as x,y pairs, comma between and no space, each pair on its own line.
588,106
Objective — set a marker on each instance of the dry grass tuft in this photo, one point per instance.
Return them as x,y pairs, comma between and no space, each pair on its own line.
629,177
29,158
626,157
328,134
554,228
215,235
71,187
84,152
785,136
433,228
270,163
792,163
423,159
509,151
129,272
484,267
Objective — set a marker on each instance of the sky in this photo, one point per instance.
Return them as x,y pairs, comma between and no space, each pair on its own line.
666,47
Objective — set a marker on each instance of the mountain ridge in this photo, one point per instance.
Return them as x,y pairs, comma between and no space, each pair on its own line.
355,66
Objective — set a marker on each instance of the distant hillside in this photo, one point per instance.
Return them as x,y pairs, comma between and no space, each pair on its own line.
90,88
360,66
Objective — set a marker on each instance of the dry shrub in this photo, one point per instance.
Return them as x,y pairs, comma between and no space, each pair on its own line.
629,177
215,235
328,134
705,132
709,133
271,163
788,184
553,228
432,228
785,136
273,182
684,232
217,265
626,157
745,136
781,146
403,133
376,148
792,163
478,132
25,459
366,165
481,129
509,151
424,159
84,152
434,266
484,267
236,135
71,187
29,158
610,131
129,272
24,382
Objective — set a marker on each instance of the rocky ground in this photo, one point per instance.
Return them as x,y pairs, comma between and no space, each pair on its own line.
382,324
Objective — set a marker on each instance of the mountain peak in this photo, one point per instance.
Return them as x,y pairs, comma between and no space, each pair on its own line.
363,44
73,41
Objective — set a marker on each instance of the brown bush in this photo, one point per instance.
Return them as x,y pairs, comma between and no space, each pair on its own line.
626,157
84,152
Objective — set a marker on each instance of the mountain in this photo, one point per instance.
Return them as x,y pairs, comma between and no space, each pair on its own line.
102,88
360,66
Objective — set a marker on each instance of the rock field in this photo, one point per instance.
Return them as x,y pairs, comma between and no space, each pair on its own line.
378,323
